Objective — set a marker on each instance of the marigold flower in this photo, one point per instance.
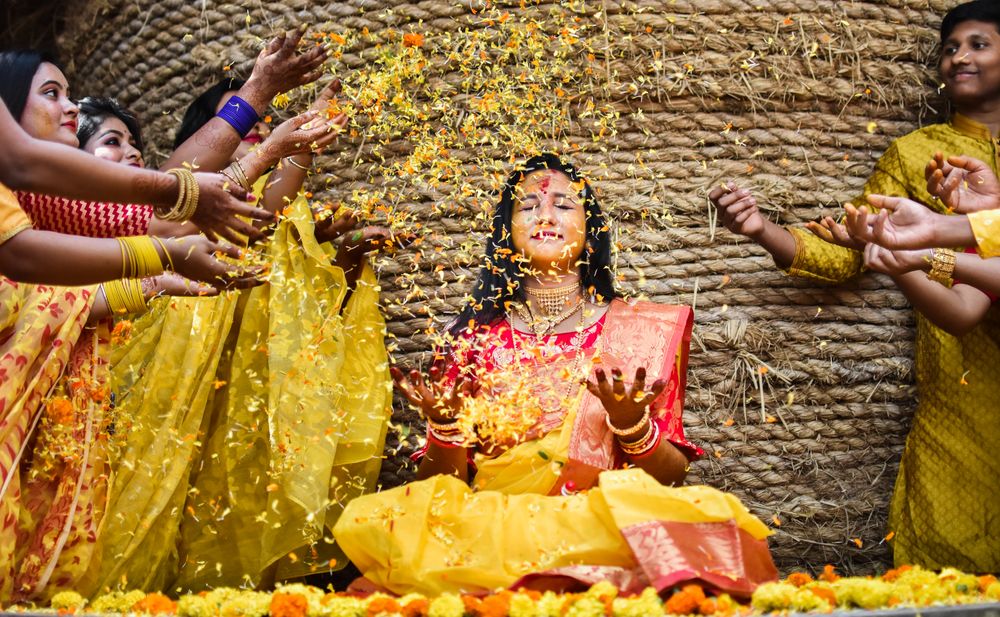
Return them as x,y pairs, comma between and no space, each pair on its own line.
799,578
382,604
413,39
288,605
416,608
155,604
686,601
829,574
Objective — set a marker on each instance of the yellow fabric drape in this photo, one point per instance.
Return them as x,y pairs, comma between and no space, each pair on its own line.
986,229
255,417
948,486
51,417
441,535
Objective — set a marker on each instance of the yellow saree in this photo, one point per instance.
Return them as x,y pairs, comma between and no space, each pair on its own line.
253,418
522,522
52,418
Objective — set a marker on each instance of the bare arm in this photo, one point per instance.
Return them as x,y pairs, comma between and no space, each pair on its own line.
278,68
956,310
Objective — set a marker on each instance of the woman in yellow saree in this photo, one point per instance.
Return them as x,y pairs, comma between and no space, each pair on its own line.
523,481
251,417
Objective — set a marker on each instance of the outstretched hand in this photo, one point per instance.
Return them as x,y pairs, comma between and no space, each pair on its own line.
835,233
625,405
280,68
220,202
894,263
436,399
901,223
197,258
962,183
738,209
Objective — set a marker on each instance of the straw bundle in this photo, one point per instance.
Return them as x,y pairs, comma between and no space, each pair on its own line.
800,395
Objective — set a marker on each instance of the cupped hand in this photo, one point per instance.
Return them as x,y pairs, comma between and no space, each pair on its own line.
438,401
738,210
280,68
306,133
962,183
220,202
901,223
196,257
625,404
835,233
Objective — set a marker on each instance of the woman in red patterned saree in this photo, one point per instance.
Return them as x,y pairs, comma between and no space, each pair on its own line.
533,474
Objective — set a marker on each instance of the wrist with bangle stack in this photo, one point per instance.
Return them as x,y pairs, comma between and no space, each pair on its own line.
647,441
187,197
445,434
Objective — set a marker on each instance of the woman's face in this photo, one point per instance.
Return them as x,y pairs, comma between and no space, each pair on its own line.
257,134
549,223
970,63
49,114
113,142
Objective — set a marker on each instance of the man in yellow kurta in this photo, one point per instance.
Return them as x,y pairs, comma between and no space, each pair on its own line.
948,488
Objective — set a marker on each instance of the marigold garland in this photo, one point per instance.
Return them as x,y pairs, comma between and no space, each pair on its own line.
907,586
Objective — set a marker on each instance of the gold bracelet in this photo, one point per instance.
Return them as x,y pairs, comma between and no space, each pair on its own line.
166,253
294,163
187,196
239,176
139,257
444,428
622,432
942,266
649,441
125,296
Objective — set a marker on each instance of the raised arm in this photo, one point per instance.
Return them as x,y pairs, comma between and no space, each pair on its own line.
278,68
738,210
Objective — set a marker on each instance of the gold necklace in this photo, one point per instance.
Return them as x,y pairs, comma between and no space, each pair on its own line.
572,381
552,300
543,325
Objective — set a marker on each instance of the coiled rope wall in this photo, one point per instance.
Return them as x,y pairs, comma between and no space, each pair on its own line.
800,395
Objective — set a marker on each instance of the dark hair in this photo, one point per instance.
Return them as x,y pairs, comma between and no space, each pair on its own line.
978,10
500,277
94,110
17,69
202,109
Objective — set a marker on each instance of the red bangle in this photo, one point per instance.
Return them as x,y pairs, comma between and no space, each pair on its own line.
432,438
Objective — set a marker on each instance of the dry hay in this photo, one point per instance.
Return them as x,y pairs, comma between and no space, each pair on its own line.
800,395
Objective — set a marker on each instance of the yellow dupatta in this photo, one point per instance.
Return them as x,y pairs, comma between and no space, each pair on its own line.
254,415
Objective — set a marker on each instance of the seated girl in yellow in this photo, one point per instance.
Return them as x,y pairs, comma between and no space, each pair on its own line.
522,480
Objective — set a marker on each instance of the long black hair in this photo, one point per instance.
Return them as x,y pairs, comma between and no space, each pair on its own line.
202,109
17,69
499,280
94,110
978,10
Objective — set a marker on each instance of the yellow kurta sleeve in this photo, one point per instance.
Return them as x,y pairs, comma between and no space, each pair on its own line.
826,262
986,229
13,220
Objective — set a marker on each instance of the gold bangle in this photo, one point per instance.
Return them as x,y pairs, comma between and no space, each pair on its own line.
166,253
139,257
623,432
649,441
239,176
294,163
942,266
125,296
442,428
187,196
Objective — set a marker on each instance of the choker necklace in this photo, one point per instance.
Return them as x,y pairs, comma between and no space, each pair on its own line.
552,300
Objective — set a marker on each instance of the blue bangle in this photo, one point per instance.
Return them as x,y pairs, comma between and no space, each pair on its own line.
239,114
